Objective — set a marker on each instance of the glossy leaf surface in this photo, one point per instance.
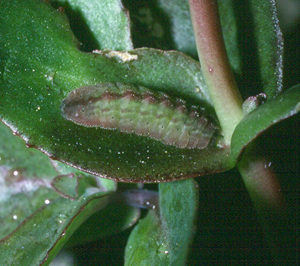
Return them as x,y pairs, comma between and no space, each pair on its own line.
163,237
254,44
45,65
250,29
40,237
28,200
107,23
40,65
277,109
25,181
33,215
181,29
269,45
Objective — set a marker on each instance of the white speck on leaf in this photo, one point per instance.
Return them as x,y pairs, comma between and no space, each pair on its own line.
122,56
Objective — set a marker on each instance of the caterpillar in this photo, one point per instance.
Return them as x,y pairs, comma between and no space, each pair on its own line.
138,110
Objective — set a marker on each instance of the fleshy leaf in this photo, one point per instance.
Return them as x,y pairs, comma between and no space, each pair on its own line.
269,45
113,219
25,181
117,216
64,258
72,183
73,186
38,73
254,45
228,19
33,216
167,25
66,186
163,237
66,170
19,161
273,111
39,238
251,26
150,25
107,22
27,190
181,31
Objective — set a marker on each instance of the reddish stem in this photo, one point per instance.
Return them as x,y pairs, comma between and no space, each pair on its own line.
215,64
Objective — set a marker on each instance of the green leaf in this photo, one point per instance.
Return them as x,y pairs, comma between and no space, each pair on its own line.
273,111
40,66
182,34
269,45
39,238
181,31
228,19
167,25
24,161
64,258
163,237
150,25
25,181
113,219
26,200
254,44
251,26
107,22
33,216
72,183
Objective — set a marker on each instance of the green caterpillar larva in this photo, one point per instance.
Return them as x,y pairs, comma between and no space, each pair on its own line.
137,110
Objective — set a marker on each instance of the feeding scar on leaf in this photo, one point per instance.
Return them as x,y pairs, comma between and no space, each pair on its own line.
141,111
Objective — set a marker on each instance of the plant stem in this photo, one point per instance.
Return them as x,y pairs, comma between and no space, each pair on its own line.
215,65
260,180
262,184
264,189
